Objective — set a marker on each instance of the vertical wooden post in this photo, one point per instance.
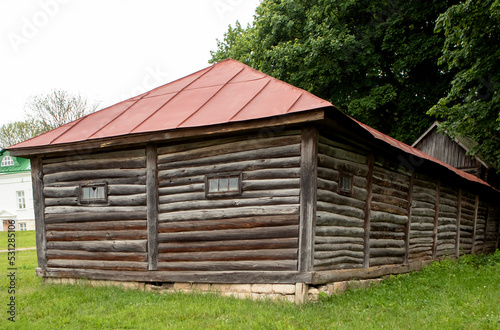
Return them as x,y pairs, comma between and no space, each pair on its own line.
408,224
39,205
152,205
366,235
476,210
308,197
459,216
436,218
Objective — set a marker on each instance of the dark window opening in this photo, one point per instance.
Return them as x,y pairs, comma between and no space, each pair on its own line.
345,184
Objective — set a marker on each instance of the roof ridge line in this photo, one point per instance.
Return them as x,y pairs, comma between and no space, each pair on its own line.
173,97
211,97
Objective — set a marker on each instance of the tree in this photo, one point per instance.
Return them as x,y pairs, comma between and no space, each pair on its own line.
374,59
471,107
44,113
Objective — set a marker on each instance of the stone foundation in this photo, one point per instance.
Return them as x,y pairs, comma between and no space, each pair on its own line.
298,293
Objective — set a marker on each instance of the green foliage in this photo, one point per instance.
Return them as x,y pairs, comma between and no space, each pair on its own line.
375,60
472,49
18,131
462,294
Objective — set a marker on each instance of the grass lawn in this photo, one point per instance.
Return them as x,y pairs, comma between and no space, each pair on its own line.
463,294
24,239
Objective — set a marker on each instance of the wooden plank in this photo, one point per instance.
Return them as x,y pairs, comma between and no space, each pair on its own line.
234,245
474,225
239,255
290,277
408,224
93,175
97,264
436,217
86,255
366,228
152,205
96,235
39,210
95,164
102,225
93,217
308,197
262,265
101,246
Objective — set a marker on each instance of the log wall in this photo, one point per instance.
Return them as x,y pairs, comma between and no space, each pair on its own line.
100,236
339,241
447,221
467,221
257,230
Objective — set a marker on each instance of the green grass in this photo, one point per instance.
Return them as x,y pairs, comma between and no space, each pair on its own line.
24,239
462,294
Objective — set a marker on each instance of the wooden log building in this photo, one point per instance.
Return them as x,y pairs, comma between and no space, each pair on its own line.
231,176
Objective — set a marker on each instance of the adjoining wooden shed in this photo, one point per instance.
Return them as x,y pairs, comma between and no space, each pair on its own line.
229,176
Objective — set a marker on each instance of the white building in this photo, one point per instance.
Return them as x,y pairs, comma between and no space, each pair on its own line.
16,196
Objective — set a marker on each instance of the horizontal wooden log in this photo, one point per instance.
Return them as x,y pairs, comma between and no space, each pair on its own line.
183,189
86,255
386,252
342,165
125,189
386,243
232,156
386,234
341,143
422,226
338,240
239,255
340,210
97,264
235,223
93,217
376,216
230,167
386,226
227,203
62,192
101,246
332,262
229,213
395,201
96,226
235,245
333,219
95,164
388,208
93,175
130,200
171,185
208,148
272,173
136,180
422,213
327,193
320,255
263,276
334,198
338,266
422,205
338,247
380,190
378,261
270,184
424,197
91,155
97,210
230,234
102,235
343,154
428,183
274,265
339,231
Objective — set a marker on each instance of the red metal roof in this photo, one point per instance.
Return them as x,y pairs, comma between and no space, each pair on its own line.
225,92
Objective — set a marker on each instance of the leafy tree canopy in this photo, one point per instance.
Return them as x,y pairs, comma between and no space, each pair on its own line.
377,60
44,113
472,106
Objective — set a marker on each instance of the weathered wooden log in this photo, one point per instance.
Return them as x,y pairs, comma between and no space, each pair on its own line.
229,213
86,255
378,261
329,263
422,226
338,240
388,208
135,180
387,235
328,174
426,213
422,233
61,192
386,252
209,148
96,235
101,246
97,264
337,266
95,164
230,234
386,243
235,223
234,156
271,184
339,153
93,209
240,255
93,175
342,165
334,219
385,199
339,231
320,255
125,189
227,203
272,173
338,247
428,183
92,155
266,265
422,205
182,184
421,240
333,197
424,197
386,226
230,167
256,244
93,216
96,226
349,146
376,216
376,189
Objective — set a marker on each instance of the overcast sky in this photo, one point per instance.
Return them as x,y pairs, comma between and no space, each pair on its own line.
107,50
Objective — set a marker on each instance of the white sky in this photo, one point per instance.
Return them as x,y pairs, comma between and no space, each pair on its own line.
107,50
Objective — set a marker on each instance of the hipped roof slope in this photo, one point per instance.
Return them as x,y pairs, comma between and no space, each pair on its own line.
226,92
